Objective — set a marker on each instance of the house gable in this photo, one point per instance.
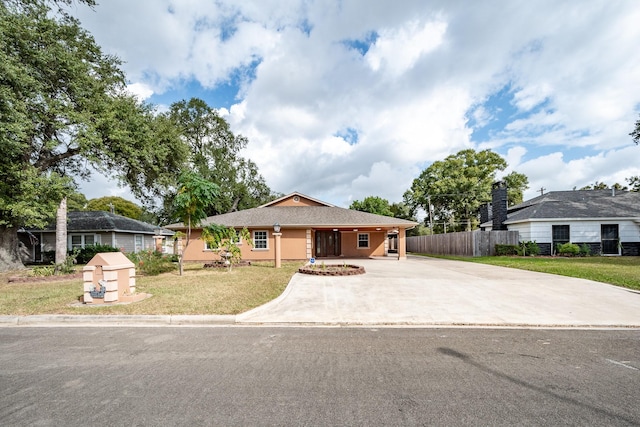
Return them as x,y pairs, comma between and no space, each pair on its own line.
296,199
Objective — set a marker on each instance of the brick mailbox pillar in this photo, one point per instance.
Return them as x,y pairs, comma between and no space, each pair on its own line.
109,277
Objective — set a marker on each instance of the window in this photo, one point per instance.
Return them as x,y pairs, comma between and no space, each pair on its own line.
610,239
79,241
363,240
138,243
560,235
76,242
260,240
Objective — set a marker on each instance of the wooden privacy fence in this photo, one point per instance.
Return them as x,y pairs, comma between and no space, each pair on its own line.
467,243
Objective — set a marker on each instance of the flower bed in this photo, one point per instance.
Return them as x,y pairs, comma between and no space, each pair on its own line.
221,264
332,270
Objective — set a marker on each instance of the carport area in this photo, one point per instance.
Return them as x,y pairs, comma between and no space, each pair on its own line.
430,291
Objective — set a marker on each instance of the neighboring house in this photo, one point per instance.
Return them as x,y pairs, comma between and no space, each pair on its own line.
86,228
608,221
310,229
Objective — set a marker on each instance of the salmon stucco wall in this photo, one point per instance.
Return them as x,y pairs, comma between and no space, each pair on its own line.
293,246
402,243
302,201
350,244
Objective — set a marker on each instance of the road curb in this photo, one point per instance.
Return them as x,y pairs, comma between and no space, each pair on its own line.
116,320
231,320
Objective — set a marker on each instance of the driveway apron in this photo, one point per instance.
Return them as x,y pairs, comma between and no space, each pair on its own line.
431,291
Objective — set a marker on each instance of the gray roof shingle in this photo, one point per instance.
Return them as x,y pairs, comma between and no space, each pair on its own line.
577,204
93,221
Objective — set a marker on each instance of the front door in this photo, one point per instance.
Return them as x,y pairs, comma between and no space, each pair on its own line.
327,244
610,238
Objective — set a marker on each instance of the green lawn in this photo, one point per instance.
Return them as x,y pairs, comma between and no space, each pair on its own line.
621,271
210,291
198,291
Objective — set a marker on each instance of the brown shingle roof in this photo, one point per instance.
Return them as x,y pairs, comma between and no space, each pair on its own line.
302,217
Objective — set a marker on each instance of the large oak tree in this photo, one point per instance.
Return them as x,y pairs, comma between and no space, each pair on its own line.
64,111
456,187
215,155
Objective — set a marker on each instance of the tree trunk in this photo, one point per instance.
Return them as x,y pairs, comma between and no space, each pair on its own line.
61,232
9,255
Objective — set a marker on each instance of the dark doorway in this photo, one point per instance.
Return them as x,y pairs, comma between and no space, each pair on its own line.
610,239
327,244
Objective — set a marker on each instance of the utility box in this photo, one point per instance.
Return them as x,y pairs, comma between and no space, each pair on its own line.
109,277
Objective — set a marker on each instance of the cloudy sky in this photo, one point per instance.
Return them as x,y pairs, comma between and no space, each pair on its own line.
343,99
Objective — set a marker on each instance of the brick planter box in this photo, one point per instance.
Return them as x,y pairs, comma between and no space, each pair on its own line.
332,270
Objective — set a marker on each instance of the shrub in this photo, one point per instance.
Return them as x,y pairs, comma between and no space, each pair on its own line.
69,264
42,271
528,249
585,250
151,263
506,250
568,249
88,252
48,257
533,248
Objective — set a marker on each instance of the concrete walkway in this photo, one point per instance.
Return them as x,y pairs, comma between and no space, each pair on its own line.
430,291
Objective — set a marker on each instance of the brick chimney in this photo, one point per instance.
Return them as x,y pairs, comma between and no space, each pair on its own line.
485,213
499,204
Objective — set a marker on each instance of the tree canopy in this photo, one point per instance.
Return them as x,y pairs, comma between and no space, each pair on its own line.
634,185
193,197
374,205
635,134
455,188
64,109
117,205
215,156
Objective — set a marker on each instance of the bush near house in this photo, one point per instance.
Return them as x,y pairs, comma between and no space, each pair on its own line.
568,249
523,249
151,263
502,250
585,250
85,254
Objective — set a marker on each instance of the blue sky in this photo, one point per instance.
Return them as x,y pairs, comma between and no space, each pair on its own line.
343,100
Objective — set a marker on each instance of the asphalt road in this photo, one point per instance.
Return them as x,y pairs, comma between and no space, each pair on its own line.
318,376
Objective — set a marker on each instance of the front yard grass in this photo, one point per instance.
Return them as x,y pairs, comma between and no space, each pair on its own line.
198,291
620,271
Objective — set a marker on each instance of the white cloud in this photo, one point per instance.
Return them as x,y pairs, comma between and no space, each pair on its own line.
553,173
141,91
398,49
575,84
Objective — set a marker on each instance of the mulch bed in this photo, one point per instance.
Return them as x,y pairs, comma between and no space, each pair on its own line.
221,264
332,270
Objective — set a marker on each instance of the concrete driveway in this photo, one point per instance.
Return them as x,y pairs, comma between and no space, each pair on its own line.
430,291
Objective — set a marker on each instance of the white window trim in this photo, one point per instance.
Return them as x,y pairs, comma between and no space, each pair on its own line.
368,241
135,247
266,239
83,244
207,248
